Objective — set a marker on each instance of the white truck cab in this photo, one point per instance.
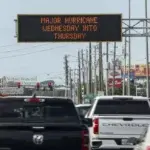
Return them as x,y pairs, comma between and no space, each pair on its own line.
117,118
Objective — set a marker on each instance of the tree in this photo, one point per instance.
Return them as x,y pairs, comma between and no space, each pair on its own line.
118,91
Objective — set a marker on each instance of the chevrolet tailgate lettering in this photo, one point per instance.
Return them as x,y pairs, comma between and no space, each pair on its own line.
125,124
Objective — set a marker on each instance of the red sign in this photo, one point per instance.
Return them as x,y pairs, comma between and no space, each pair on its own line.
118,83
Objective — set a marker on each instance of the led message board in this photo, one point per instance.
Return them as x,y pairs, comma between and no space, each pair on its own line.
70,28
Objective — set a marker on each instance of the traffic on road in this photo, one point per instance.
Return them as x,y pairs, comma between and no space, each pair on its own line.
57,98
111,122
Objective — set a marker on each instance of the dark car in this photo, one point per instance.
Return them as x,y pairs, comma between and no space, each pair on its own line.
42,123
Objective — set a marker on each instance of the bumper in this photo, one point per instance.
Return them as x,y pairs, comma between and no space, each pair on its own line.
109,145
113,148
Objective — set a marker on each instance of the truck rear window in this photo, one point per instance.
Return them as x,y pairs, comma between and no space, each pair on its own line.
54,109
122,107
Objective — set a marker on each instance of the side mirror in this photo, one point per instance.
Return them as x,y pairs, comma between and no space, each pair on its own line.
87,121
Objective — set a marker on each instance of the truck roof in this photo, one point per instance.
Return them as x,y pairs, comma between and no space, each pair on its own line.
121,96
82,105
18,97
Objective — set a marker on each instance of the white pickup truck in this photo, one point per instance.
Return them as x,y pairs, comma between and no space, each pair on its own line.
117,118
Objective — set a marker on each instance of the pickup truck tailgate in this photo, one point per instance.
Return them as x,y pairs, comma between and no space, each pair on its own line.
53,137
121,116
122,125
41,123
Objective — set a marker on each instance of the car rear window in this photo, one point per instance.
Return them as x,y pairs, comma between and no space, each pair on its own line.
122,107
51,109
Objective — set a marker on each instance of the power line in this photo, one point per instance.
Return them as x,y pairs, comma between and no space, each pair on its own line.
8,51
8,45
49,73
1,46
33,52
57,74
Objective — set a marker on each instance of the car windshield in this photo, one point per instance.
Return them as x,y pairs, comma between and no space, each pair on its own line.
51,109
122,107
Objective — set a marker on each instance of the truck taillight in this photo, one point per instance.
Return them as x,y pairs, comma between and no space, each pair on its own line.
85,140
96,125
147,147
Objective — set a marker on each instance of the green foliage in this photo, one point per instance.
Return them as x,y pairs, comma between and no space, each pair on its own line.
118,91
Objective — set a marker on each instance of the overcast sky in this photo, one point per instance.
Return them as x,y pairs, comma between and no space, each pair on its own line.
50,60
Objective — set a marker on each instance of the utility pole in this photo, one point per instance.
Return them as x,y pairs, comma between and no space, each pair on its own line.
79,79
70,78
83,71
102,80
95,66
87,72
114,69
124,68
147,51
129,68
66,74
75,89
100,66
90,68
107,62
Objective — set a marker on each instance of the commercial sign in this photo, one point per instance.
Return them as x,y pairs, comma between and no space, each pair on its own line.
131,75
69,28
12,90
132,68
141,70
137,70
117,74
118,83
22,80
125,71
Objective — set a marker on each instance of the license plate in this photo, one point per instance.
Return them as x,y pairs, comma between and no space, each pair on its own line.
125,142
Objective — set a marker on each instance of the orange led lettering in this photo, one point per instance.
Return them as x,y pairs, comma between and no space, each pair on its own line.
69,36
53,20
44,20
89,28
57,20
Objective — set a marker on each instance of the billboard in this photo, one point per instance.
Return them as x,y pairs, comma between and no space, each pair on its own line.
132,68
69,28
136,71
141,70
